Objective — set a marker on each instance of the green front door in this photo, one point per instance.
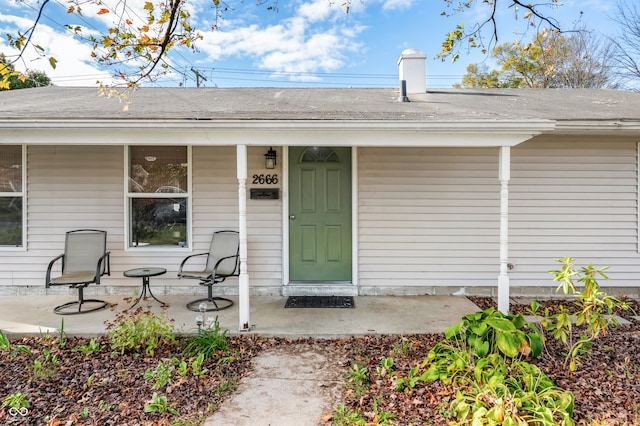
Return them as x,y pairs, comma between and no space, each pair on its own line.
319,214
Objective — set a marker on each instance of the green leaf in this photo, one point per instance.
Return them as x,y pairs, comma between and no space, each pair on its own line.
453,331
501,324
507,345
481,347
480,329
53,62
537,346
518,321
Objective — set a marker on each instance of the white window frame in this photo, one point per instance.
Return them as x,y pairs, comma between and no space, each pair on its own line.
127,206
23,194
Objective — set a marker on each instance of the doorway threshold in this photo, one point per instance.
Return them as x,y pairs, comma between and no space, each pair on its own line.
320,288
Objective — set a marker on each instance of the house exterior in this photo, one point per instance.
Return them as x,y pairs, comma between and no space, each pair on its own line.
453,191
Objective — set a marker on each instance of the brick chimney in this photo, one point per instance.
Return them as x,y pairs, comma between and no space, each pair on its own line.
411,66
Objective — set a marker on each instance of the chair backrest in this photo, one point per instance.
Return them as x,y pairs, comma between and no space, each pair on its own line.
224,244
83,248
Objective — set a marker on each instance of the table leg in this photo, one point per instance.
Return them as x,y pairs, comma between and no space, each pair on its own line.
143,293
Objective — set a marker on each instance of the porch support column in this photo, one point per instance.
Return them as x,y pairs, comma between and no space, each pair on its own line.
504,175
243,280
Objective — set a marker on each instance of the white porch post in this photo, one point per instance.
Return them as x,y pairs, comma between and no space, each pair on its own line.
504,175
243,280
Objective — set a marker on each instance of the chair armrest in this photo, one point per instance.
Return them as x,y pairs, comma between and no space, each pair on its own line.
47,282
107,268
236,269
184,261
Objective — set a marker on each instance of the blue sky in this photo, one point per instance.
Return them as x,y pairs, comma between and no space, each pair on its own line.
304,43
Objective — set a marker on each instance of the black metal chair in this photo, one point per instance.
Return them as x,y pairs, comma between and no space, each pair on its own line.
223,261
84,261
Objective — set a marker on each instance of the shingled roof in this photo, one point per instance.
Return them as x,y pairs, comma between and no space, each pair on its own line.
607,107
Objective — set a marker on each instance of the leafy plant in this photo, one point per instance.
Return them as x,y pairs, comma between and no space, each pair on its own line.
357,377
90,380
402,347
181,366
380,417
517,394
207,341
62,336
5,344
411,380
196,366
104,406
84,413
593,310
385,367
141,331
226,385
45,366
92,346
491,331
356,374
161,375
344,416
16,400
158,404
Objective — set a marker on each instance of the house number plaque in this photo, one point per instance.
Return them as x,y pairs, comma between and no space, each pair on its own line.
265,179
265,193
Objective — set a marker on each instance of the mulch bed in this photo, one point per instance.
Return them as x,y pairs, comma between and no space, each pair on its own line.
102,389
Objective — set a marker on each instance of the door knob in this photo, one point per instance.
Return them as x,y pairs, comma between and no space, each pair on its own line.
292,216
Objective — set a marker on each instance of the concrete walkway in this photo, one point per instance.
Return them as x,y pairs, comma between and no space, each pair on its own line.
32,315
290,386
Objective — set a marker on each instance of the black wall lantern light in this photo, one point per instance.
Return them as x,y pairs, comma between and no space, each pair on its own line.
270,159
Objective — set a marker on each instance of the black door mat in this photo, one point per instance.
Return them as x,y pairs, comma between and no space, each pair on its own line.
320,302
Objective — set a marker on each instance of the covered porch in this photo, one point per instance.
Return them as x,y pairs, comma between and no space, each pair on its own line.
33,315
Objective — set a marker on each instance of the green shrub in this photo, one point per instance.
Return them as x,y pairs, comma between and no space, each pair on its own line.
592,309
141,331
490,331
207,341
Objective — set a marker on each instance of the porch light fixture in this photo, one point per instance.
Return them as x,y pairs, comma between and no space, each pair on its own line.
150,158
270,159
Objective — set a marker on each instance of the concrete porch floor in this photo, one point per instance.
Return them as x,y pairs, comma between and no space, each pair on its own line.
33,315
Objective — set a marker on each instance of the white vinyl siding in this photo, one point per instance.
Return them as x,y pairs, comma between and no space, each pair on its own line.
74,187
264,224
68,187
215,207
574,197
428,217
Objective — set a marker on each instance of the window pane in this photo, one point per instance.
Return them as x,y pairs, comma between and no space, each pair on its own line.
158,169
11,221
11,168
158,222
320,154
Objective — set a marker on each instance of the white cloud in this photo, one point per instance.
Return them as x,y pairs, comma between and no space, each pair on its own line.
314,39
74,66
317,10
396,4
